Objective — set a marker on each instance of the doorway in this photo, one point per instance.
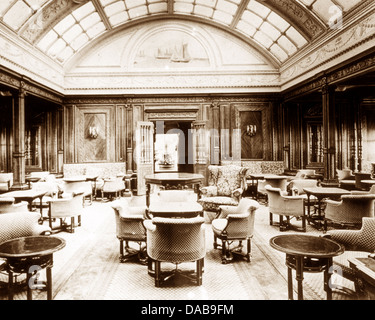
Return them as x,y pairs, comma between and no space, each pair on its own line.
173,147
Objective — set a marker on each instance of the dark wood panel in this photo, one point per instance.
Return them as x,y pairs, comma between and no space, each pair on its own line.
251,145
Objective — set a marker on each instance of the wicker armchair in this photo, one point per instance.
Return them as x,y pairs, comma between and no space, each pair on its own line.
7,205
357,243
349,211
346,179
70,206
130,228
113,187
289,206
226,185
176,241
235,224
6,181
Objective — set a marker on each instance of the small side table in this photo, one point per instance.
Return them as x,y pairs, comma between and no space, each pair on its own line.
306,253
28,255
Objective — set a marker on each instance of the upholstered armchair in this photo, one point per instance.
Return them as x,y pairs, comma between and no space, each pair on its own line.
113,187
78,186
226,185
176,241
358,244
281,204
349,211
70,206
346,179
6,181
235,223
8,205
130,228
303,174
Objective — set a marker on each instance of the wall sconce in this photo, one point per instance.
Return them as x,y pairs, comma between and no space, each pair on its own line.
93,132
251,130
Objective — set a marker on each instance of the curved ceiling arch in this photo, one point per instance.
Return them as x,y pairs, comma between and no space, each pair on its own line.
280,28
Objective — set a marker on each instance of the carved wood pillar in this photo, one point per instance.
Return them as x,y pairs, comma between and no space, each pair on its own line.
18,107
329,131
129,138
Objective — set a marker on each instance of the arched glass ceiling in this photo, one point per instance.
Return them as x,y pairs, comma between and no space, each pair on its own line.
250,18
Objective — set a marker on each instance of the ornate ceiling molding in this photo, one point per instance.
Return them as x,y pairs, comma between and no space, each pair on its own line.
298,16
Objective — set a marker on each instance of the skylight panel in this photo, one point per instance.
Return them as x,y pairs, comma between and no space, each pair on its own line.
223,17
80,41
246,28
278,52
258,8
347,4
106,2
203,11
278,22
138,12
297,38
83,11
47,40
35,4
89,21
96,30
65,54
157,7
226,6
208,3
270,31
118,18
263,39
134,3
65,24
183,7
287,45
4,6
114,8
72,33
17,15
324,8
252,18
57,47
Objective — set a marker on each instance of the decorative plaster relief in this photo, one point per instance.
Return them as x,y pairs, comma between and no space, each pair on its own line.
357,35
23,61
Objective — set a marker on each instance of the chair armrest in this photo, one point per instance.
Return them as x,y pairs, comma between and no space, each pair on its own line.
209,191
132,217
237,192
238,215
332,202
149,225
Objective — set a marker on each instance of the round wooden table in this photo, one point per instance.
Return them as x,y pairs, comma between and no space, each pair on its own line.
178,209
173,180
29,255
307,253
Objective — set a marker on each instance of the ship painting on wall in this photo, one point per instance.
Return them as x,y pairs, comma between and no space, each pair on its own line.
171,49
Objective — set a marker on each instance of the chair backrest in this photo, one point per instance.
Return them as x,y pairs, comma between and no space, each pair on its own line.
227,178
129,224
177,240
7,205
344,174
366,240
40,174
67,207
113,184
300,184
275,201
241,224
18,224
303,173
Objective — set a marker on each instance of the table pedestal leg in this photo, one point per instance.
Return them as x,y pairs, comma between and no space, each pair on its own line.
327,278
290,284
29,292
10,285
299,276
49,282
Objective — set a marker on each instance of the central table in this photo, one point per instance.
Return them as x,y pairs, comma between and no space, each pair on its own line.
174,180
178,209
307,253
320,193
29,255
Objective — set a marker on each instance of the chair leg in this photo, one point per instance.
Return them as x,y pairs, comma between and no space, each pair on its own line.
215,242
248,253
158,279
199,264
271,219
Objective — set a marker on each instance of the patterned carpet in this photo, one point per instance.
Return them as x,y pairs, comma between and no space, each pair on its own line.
88,268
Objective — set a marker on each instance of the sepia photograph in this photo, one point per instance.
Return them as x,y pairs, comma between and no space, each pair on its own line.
186,157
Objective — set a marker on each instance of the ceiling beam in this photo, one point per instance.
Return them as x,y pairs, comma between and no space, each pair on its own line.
241,8
102,14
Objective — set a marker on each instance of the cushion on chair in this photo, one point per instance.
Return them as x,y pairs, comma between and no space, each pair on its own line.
218,225
228,180
213,203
